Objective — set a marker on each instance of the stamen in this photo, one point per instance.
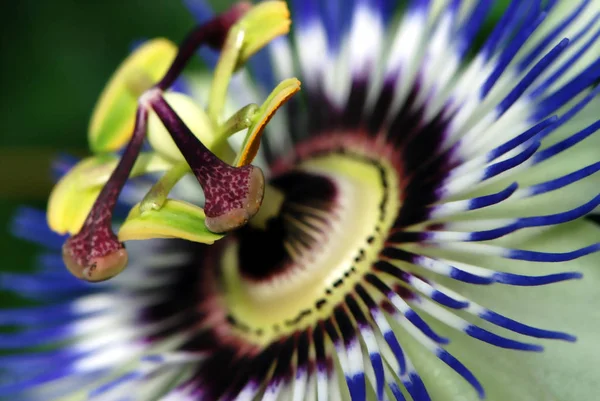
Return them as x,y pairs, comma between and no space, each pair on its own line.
95,253
233,194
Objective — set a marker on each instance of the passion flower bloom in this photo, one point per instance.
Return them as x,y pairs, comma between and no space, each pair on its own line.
413,226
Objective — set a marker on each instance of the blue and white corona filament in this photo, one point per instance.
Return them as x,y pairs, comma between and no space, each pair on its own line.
422,236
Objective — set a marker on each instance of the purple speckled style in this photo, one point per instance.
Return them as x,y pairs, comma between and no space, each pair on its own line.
96,240
226,188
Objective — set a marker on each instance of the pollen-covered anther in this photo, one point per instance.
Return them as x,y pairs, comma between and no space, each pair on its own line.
233,194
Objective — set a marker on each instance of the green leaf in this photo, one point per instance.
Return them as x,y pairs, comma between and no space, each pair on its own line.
175,219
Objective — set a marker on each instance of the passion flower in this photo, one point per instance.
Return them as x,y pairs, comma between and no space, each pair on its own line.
418,213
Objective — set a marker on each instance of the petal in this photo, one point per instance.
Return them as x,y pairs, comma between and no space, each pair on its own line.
564,371
495,368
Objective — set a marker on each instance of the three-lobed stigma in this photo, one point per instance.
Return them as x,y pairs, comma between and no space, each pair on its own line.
233,193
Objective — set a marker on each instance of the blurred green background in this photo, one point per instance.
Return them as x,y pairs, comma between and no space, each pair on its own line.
57,56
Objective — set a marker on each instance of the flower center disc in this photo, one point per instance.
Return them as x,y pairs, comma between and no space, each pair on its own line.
340,202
